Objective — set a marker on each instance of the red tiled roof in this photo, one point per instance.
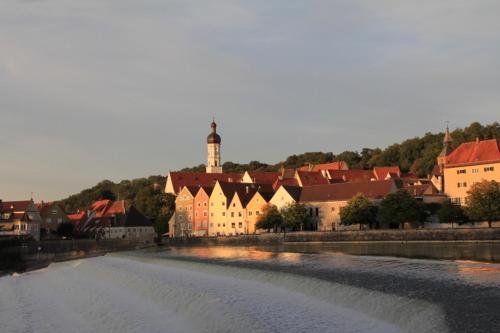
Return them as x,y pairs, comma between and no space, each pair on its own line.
381,173
338,165
116,208
309,178
181,179
338,176
264,177
15,206
285,182
345,191
475,152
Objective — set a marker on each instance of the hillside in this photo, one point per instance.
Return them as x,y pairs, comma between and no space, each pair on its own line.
417,155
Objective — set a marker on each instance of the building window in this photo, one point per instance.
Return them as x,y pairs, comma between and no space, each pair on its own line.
233,225
196,214
475,170
212,204
205,213
204,204
249,213
461,171
212,214
234,205
223,213
310,212
239,214
317,211
199,204
232,214
462,184
455,201
489,169
257,213
333,209
240,225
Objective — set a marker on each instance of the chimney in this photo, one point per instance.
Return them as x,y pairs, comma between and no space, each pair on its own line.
311,167
477,139
247,189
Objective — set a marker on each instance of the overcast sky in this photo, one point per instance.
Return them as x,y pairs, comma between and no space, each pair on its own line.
120,89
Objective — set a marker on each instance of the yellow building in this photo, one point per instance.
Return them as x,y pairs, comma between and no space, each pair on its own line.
255,207
470,163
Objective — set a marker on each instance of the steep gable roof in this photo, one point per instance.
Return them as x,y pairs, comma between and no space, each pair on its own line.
15,206
309,178
293,191
345,191
475,152
263,177
382,173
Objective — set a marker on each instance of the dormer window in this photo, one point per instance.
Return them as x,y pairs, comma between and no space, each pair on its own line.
6,216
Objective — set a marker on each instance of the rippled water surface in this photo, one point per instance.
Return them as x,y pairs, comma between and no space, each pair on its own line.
250,289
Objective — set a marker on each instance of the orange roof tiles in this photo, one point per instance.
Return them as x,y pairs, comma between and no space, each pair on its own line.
345,191
381,173
309,178
474,152
338,165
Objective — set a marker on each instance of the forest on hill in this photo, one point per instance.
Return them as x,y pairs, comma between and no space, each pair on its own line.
417,155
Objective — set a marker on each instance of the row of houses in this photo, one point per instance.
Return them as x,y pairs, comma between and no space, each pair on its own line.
232,207
217,203
104,219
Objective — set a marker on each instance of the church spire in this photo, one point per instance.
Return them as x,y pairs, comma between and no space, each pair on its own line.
446,142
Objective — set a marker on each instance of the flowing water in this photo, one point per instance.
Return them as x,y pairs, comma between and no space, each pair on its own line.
251,289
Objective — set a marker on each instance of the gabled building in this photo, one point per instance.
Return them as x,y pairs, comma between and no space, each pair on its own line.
52,216
386,172
106,219
184,212
177,180
469,163
310,178
260,177
256,207
201,211
20,218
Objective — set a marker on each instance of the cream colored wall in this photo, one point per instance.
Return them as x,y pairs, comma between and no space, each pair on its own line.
452,178
236,216
169,187
329,218
217,223
281,198
254,210
184,204
213,158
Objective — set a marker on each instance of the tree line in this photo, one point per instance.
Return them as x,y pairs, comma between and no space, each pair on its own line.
395,211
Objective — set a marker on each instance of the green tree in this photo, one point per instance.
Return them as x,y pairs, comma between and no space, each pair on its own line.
271,218
359,210
483,201
400,207
450,213
295,216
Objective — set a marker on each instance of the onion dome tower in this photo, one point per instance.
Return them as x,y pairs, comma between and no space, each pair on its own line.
213,146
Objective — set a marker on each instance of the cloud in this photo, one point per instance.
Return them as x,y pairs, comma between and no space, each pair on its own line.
127,88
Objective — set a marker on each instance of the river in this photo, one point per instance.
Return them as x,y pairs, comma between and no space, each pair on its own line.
252,289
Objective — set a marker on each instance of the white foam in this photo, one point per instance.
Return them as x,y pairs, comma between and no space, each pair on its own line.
133,294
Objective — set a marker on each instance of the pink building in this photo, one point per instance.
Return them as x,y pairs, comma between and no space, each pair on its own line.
201,207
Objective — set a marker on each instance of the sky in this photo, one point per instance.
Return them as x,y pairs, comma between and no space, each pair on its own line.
121,89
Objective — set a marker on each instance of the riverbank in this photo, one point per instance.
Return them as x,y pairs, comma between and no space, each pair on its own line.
451,244
30,256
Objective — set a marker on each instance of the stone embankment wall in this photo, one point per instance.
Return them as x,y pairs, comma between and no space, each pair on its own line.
389,235
33,255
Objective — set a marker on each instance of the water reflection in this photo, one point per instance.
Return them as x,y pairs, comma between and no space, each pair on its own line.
326,258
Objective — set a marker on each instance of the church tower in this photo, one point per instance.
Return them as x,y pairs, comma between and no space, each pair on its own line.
442,159
213,145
